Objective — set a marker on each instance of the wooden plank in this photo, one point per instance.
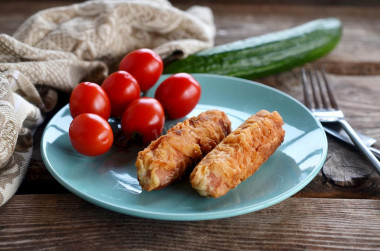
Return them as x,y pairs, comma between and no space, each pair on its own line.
356,53
65,221
14,12
357,96
242,19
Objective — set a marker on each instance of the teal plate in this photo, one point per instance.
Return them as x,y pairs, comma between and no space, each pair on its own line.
110,180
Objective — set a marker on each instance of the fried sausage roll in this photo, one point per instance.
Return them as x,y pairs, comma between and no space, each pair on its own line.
166,159
239,155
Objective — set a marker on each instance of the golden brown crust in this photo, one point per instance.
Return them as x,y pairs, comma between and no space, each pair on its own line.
166,159
239,155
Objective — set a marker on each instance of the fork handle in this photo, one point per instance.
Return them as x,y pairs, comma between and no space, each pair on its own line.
360,144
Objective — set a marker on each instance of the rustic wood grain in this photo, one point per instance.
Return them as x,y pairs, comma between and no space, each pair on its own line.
354,59
67,222
241,19
329,214
348,171
357,96
358,46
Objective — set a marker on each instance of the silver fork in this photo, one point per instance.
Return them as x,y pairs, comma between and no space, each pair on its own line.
325,109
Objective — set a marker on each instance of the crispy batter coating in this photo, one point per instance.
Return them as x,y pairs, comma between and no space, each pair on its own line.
239,155
166,159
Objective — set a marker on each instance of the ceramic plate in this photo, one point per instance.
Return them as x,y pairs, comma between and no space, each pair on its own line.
110,180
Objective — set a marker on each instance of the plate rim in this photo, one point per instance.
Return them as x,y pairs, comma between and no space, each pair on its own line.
210,215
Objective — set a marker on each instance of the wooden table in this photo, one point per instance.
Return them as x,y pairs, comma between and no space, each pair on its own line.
339,209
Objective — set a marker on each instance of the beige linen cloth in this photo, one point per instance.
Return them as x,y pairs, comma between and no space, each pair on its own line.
57,48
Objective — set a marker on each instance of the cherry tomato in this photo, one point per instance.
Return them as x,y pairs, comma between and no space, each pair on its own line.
89,97
145,65
178,94
90,134
121,88
143,120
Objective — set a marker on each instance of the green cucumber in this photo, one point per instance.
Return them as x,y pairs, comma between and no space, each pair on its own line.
265,55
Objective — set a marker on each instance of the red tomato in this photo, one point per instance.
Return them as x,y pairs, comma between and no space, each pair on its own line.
178,94
121,88
145,65
89,97
90,134
143,120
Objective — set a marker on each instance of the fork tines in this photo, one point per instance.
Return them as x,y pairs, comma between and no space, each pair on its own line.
319,95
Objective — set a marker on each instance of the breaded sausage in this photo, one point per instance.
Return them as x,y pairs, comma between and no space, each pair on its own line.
239,155
166,159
